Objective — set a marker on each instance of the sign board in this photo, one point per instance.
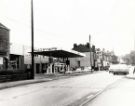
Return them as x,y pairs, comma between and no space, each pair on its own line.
46,49
1,60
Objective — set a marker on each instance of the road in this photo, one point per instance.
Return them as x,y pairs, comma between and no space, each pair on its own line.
121,93
62,92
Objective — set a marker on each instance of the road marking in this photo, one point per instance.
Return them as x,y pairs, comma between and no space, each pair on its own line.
90,96
84,102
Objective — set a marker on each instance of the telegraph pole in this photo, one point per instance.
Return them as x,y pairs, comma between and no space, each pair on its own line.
90,49
32,41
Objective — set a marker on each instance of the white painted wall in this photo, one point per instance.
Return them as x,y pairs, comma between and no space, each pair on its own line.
24,50
84,61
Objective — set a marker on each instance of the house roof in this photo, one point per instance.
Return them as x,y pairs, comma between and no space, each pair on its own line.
3,26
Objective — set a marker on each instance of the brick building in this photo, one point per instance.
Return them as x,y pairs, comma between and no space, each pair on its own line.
4,46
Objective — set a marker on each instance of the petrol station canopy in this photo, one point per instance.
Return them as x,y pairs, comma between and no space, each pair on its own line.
59,53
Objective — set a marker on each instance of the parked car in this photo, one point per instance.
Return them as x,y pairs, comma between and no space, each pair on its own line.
87,68
119,69
78,70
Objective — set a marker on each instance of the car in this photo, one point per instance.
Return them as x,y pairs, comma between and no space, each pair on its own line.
119,69
87,69
78,70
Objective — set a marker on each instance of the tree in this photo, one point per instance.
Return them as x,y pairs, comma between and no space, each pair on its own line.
114,59
75,45
81,47
87,45
129,58
126,59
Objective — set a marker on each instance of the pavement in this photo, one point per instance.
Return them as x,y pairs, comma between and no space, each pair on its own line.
87,102
121,93
39,78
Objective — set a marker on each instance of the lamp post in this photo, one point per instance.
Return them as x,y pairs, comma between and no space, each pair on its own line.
32,41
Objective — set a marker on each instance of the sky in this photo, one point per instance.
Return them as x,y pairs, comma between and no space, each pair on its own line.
61,23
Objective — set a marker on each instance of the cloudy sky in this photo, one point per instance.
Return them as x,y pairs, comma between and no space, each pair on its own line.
60,23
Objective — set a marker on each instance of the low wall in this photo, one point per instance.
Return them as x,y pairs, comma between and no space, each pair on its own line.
6,76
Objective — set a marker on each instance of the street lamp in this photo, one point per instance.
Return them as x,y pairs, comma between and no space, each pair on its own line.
32,40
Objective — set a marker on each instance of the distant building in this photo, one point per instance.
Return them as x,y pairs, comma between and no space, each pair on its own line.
96,59
81,62
103,59
4,46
